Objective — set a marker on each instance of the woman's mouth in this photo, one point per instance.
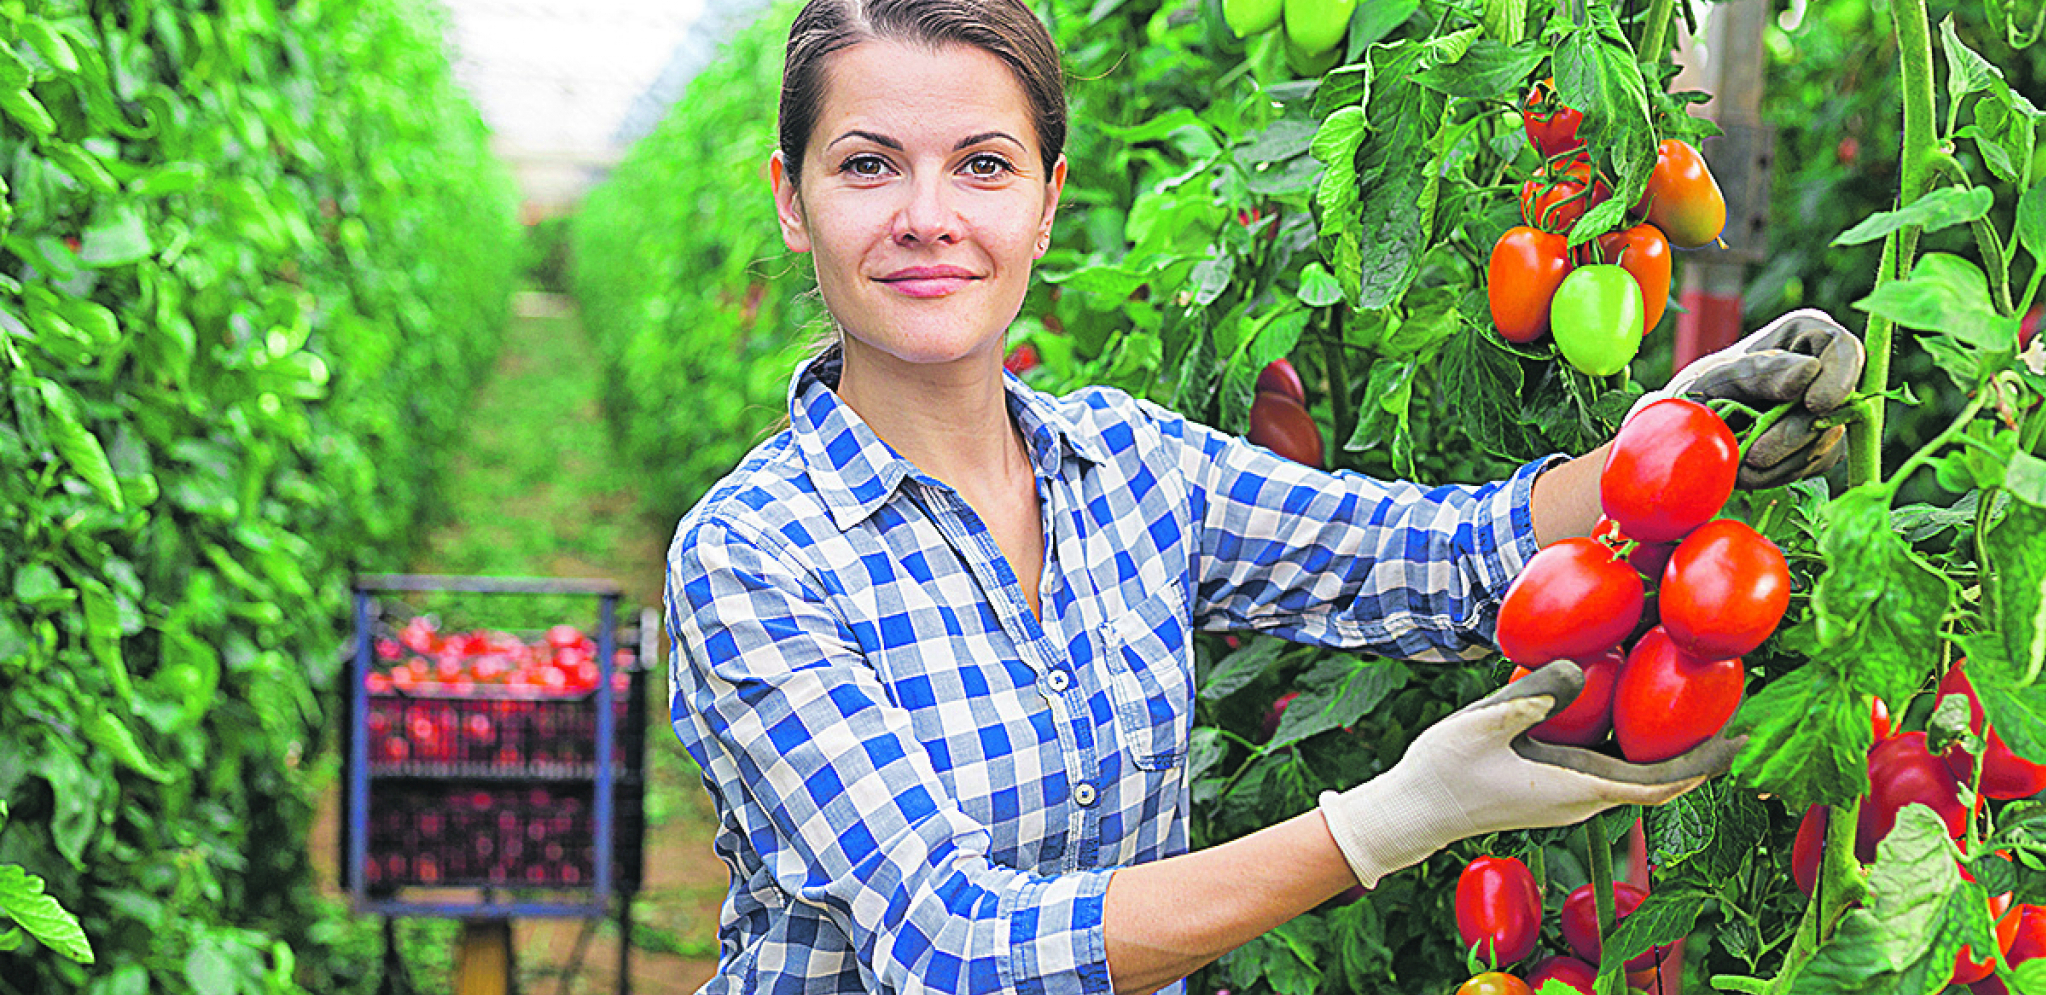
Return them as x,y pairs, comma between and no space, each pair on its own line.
928,281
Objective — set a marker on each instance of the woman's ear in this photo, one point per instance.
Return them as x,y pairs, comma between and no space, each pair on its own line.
788,204
1056,185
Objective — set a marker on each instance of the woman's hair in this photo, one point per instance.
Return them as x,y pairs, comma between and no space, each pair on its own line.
1005,29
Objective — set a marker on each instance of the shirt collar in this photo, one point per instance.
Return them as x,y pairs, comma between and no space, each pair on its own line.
855,472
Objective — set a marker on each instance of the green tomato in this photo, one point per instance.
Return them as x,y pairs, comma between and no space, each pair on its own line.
1248,17
1310,65
1596,319
1316,26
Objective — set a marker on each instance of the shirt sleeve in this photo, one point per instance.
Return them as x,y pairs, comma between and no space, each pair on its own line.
1344,560
842,803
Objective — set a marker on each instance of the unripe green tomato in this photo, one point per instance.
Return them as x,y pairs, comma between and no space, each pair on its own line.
1316,26
1248,17
1596,319
1310,65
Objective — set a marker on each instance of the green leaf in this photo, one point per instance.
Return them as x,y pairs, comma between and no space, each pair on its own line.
22,899
1808,738
1338,137
1336,693
1395,191
1240,668
1488,71
2025,478
2031,229
1483,380
1596,73
170,178
2017,553
106,731
1709,830
1283,139
1967,72
1879,604
1941,208
82,165
1664,917
1431,318
50,45
117,236
27,111
103,636
1919,915
1317,287
1506,20
79,447
1945,293
1371,22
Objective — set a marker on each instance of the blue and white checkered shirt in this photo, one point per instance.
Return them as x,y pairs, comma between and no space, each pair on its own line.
922,786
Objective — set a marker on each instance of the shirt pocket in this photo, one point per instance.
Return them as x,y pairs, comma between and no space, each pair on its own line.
1150,680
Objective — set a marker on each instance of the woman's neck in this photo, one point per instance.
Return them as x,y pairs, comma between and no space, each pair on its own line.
950,420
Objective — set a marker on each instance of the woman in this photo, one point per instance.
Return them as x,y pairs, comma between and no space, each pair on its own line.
932,640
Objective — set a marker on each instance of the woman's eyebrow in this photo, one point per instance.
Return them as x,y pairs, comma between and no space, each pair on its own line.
889,143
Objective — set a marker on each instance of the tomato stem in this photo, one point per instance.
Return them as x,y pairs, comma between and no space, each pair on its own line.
1950,435
1598,851
1764,423
1655,34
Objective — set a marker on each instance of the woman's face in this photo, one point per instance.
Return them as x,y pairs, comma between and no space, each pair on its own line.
923,199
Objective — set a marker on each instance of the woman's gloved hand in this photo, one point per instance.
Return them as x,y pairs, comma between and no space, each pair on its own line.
1477,772
1804,357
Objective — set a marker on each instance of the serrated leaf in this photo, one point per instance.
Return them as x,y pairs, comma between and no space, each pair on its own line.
1941,208
22,899
1808,738
1242,667
2017,556
1336,693
82,165
50,45
2031,227
1318,288
1945,293
105,730
1283,139
1663,918
1879,604
117,236
1919,916
1487,71
103,636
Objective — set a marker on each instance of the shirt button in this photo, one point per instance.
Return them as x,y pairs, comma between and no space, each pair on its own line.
1083,793
1058,681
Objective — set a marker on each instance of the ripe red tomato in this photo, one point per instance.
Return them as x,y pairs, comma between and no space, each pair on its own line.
1669,701
1526,267
1879,719
1498,909
2005,775
1642,251
1671,468
1282,425
1279,377
1586,720
1724,590
1021,359
1968,970
2028,326
1809,847
1494,983
1567,970
1555,198
1682,198
1572,601
1551,126
2022,935
1901,771
1580,922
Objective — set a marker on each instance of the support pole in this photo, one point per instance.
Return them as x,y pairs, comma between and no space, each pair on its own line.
1731,69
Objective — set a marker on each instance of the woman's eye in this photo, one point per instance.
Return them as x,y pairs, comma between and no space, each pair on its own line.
987,165
864,165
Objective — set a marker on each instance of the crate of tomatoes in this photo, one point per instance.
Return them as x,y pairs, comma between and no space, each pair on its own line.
494,748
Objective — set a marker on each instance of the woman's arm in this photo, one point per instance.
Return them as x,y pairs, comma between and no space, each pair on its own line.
1565,500
1167,918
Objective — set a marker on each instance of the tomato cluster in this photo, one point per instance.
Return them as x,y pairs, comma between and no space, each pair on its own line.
1499,917
1314,29
1278,415
1601,300
1659,680
423,661
1903,770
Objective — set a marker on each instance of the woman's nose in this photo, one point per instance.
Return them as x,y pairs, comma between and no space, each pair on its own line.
928,216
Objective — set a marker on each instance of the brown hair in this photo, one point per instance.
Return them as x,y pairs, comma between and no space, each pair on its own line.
1005,29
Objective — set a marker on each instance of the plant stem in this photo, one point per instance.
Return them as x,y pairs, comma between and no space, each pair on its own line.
1946,437
1655,36
1598,852
1994,261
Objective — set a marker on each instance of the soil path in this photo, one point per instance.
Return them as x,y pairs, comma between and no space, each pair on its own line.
535,491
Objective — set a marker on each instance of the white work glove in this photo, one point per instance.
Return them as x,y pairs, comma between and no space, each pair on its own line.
1477,772
1804,356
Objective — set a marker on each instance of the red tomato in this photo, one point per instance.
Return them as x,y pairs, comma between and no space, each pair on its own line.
1580,922
1724,590
1021,359
1572,601
1879,719
1494,983
1902,771
1669,701
1555,198
1568,970
2005,775
1498,909
2022,936
1967,970
564,636
1526,267
1642,251
1810,846
1682,198
1587,720
1551,126
2028,326
1282,425
1277,712
1670,469
1279,377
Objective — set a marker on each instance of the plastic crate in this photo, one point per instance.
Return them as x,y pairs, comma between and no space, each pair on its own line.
460,778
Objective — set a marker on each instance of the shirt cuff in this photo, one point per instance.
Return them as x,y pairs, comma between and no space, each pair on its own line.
1057,940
